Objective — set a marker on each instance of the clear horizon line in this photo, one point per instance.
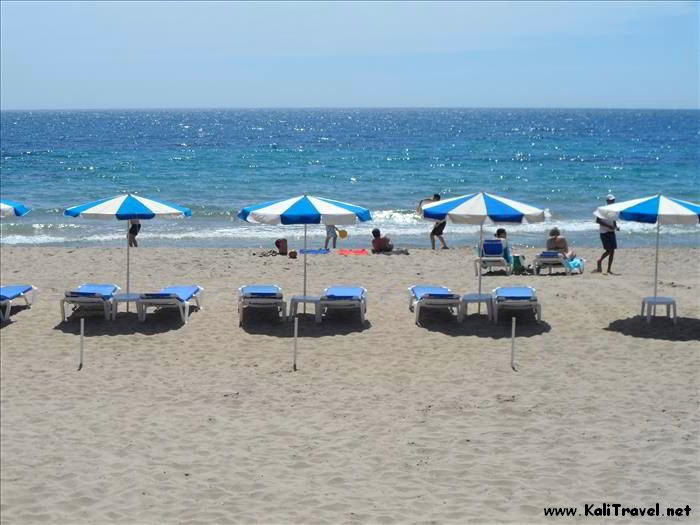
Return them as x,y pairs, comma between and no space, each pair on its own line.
214,108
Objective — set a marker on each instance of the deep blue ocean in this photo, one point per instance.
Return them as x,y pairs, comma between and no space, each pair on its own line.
217,161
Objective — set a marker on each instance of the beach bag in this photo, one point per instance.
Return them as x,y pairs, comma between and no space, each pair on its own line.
281,245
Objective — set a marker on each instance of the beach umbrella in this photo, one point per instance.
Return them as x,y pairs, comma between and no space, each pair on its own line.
10,208
305,210
477,208
124,208
656,209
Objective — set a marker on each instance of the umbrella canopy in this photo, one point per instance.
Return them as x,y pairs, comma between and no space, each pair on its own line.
656,209
10,208
304,210
124,208
477,208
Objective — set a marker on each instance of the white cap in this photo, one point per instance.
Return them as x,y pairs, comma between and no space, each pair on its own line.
610,197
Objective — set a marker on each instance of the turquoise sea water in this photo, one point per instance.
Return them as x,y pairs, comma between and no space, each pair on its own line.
217,161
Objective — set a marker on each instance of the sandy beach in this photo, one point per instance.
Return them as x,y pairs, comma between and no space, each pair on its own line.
386,422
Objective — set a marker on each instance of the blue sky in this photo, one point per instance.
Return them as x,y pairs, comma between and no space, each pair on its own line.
85,55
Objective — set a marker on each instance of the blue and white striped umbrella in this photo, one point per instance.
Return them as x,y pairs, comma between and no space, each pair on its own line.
656,209
124,208
304,210
477,208
10,208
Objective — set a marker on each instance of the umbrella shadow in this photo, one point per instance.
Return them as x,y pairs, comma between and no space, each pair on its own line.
264,321
526,324
687,329
15,309
126,324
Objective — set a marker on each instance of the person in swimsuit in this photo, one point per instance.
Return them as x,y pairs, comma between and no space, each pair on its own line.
439,227
134,229
557,243
380,244
608,238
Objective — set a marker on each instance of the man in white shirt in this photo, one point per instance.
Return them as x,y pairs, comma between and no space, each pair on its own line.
607,230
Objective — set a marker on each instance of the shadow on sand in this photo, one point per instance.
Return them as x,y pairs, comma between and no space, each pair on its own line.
264,321
15,309
159,322
526,325
687,329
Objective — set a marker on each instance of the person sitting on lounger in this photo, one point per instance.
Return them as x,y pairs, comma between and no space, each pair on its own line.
557,243
380,244
503,236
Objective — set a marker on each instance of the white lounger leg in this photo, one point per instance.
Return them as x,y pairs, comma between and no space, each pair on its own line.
108,310
417,309
184,310
363,309
5,311
63,310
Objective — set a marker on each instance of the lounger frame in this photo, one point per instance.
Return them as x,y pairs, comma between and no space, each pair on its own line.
171,301
516,304
553,262
492,261
6,304
431,301
86,300
255,301
328,303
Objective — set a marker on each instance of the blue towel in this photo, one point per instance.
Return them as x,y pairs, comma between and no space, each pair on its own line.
105,291
261,290
181,293
7,293
319,251
345,292
439,292
554,255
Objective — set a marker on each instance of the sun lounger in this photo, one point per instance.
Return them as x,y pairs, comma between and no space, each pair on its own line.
552,259
492,255
178,297
343,297
90,295
25,292
260,296
516,297
432,297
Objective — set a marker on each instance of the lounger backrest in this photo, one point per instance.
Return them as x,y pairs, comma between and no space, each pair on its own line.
344,292
492,248
261,290
180,293
514,293
10,292
548,253
437,292
104,291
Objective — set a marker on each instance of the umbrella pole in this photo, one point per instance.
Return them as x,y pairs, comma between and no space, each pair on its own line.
481,241
656,266
305,227
127,263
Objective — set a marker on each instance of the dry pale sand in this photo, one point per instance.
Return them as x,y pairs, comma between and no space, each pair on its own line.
384,423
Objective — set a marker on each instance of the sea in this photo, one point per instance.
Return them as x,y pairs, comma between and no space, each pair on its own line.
220,160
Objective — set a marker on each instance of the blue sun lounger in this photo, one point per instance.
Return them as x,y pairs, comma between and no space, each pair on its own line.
343,297
178,297
26,292
261,296
516,297
90,295
552,259
432,297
